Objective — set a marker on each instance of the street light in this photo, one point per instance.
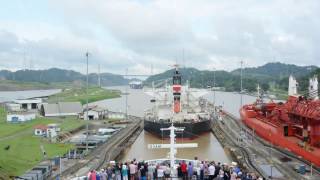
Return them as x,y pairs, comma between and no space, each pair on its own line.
241,62
214,85
126,96
87,109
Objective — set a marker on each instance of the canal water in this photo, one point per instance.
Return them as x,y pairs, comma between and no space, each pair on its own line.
208,146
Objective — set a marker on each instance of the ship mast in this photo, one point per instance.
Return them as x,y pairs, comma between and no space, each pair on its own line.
176,88
172,146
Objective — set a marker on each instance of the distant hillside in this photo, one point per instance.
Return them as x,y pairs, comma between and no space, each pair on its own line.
202,79
276,70
304,80
269,76
45,79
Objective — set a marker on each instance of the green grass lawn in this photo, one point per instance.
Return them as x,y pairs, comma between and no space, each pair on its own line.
7,129
79,94
25,151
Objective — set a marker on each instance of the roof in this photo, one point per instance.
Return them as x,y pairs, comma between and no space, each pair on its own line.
28,101
41,126
106,130
96,108
21,113
63,108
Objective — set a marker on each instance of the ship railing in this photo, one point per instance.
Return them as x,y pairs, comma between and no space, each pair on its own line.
165,161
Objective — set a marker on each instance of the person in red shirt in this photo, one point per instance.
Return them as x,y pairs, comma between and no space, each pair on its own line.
184,170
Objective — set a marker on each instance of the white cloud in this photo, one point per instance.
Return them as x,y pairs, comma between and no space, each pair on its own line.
138,34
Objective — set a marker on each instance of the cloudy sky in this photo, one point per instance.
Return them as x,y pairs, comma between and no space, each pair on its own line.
140,34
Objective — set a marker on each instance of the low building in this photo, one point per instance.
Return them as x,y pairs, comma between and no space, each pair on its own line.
116,115
52,131
18,117
29,104
95,113
61,109
13,107
40,130
49,131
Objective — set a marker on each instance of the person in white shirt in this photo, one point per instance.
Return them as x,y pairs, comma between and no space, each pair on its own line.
160,173
132,168
211,169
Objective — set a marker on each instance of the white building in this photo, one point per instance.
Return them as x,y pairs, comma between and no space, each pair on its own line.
13,107
29,104
40,130
18,117
61,109
116,115
52,130
49,131
95,113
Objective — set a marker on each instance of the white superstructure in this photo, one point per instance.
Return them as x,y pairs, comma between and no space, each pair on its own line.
313,87
293,86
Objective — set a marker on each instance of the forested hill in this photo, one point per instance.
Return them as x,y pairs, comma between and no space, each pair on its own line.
269,76
55,75
277,70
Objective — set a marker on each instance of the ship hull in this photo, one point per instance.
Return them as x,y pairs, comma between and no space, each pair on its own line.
276,136
191,130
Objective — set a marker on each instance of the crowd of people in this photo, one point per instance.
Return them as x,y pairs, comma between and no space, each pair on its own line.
195,169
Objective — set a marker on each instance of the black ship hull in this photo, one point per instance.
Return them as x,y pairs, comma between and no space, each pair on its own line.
191,129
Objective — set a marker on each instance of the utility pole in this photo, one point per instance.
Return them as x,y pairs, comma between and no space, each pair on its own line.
99,78
127,96
183,60
24,59
87,109
241,62
271,162
214,85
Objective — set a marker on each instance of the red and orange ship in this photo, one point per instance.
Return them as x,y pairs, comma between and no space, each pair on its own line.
293,125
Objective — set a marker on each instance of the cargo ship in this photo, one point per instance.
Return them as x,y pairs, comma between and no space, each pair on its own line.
293,125
136,85
180,106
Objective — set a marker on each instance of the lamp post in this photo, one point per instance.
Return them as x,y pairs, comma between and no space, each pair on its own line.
126,97
241,62
87,109
214,85
270,154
